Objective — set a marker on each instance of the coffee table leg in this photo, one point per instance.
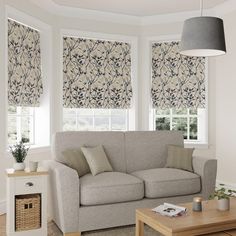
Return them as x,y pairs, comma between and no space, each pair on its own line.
139,227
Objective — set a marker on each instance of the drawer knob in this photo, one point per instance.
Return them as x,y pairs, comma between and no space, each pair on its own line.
29,184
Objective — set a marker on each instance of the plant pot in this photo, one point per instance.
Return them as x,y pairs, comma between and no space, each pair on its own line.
223,204
19,166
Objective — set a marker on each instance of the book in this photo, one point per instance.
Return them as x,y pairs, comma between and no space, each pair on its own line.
170,210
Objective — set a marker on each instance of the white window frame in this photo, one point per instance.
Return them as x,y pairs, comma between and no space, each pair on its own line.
18,115
94,116
200,122
202,141
133,41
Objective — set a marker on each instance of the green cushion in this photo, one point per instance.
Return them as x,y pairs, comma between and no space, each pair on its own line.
180,158
97,159
75,159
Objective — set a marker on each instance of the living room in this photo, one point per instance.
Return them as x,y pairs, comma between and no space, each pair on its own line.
139,31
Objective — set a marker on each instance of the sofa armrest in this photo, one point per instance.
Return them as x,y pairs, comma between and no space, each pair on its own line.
207,169
64,187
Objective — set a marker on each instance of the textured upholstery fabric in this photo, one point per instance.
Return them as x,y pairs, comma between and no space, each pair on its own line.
168,182
207,169
148,149
110,187
75,159
64,190
97,159
180,158
120,214
113,144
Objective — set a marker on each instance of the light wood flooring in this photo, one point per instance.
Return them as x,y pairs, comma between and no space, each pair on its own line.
121,231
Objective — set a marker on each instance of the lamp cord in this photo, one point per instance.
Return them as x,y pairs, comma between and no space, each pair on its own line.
201,7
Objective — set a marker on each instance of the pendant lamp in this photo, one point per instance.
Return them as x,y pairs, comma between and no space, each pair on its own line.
203,36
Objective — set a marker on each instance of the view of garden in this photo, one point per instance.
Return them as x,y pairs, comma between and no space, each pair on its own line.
21,119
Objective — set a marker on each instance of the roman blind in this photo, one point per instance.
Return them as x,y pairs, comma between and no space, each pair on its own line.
177,81
24,65
96,73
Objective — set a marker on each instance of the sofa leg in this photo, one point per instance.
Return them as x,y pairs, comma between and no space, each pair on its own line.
72,234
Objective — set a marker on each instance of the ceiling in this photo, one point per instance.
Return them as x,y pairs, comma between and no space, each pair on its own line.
139,7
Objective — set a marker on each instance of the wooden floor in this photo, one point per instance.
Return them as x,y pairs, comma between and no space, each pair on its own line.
123,231
2,225
54,231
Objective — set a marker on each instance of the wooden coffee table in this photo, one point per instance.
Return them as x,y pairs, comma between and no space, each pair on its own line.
210,220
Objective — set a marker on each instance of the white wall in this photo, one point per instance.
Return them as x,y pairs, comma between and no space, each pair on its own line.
226,105
221,84
3,163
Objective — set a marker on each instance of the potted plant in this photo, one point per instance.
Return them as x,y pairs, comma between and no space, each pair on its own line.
19,152
223,194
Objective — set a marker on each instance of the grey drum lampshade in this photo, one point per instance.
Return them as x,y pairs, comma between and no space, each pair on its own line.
202,37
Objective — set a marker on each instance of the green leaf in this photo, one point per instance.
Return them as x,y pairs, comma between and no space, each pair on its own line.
222,193
19,151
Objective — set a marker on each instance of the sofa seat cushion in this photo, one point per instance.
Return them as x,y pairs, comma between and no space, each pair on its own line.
110,187
168,182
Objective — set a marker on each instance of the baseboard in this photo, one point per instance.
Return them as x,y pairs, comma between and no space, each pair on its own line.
3,207
227,184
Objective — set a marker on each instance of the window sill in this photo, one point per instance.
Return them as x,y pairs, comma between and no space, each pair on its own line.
39,149
197,145
35,149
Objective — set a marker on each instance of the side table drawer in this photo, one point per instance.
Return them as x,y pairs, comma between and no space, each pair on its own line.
28,185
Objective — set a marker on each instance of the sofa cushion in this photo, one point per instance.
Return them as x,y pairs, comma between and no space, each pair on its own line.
97,159
180,158
110,187
75,159
168,182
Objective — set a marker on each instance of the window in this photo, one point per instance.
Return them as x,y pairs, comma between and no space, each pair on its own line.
190,121
95,119
179,81
28,112
20,124
99,82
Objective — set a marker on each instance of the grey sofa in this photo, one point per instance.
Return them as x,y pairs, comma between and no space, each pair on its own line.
139,179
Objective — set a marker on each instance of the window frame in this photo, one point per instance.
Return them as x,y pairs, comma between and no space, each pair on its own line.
19,115
201,117
41,114
133,41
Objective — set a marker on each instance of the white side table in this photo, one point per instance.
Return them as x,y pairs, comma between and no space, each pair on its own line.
26,183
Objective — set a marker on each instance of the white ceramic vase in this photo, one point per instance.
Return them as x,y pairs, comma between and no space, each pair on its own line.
19,166
223,204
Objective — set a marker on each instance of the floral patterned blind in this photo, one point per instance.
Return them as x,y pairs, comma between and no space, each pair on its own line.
24,65
96,74
177,81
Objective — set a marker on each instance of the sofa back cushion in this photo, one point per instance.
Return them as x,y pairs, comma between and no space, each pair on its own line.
112,142
148,149
75,159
